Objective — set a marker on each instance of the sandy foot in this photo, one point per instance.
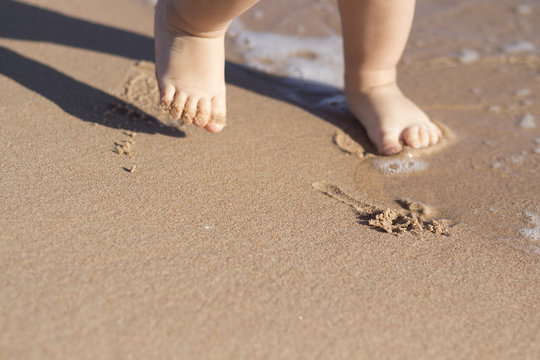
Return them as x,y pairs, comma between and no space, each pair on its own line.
190,71
391,119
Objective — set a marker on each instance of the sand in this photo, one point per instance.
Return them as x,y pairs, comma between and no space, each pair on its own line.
189,245
413,217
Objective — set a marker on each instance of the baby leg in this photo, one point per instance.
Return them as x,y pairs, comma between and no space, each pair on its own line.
190,58
374,35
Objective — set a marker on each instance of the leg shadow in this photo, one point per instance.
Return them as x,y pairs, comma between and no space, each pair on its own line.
80,100
324,101
27,22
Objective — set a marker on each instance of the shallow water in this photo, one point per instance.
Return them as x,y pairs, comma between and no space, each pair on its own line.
302,39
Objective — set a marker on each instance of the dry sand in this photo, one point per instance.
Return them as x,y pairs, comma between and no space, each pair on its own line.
124,238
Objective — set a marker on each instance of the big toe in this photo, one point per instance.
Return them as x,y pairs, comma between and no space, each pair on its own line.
218,118
190,110
389,143
177,106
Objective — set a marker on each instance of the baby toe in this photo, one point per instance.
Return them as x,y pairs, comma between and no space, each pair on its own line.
219,109
177,106
423,136
411,137
434,137
203,112
389,144
218,118
190,110
433,128
167,97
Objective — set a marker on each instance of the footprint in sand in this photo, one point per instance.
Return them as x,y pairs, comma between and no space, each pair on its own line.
141,90
413,217
139,94
401,163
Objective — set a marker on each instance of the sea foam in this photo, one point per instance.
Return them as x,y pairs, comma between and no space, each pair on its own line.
527,121
318,59
399,166
532,233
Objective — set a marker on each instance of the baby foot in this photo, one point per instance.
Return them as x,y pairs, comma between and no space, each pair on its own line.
389,118
190,70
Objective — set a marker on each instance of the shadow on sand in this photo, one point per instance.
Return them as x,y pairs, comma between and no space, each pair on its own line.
27,22
78,99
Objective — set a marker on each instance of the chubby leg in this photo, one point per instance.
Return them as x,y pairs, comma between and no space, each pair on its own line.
374,35
190,58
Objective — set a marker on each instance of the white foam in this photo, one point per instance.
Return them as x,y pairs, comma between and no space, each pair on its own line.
529,248
522,46
399,166
258,14
523,9
312,58
515,159
527,121
534,232
530,236
468,56
523,92
494,108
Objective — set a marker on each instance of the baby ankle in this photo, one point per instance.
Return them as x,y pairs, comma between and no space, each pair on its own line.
365,79
178,25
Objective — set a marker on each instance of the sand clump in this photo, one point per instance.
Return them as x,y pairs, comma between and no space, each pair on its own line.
130,169
124,147
413,217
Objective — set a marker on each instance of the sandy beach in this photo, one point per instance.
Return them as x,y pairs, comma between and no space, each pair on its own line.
123,236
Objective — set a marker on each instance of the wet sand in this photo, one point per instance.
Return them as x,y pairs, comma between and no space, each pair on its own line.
123,236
